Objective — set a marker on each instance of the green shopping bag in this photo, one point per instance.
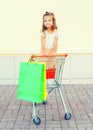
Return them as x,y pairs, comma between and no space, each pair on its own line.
32,82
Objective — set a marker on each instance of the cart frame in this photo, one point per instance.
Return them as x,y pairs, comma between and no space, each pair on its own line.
60,61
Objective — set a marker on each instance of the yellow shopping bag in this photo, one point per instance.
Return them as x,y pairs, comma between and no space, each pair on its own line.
45,86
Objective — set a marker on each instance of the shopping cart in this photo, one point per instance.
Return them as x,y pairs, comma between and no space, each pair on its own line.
54,71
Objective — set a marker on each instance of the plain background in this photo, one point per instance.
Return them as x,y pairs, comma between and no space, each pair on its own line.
21,21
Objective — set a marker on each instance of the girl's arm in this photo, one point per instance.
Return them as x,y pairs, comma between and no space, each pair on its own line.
42,45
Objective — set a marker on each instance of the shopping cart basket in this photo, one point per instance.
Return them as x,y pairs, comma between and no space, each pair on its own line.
54,71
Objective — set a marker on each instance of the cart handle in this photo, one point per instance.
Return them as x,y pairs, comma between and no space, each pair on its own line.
54,55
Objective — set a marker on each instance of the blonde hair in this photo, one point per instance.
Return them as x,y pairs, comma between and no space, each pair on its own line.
54,26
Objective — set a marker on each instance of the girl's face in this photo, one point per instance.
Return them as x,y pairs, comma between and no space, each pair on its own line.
48,21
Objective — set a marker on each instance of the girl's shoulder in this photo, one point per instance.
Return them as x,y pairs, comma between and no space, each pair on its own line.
43,34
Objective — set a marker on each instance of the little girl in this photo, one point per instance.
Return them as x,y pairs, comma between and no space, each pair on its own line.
49,35
49,38
49,43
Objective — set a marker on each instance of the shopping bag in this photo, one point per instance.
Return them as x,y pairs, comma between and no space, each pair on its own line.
32,82
45,87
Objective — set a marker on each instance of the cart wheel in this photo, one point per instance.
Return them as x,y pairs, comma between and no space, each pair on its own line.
37,120
45,102
35,103
67,116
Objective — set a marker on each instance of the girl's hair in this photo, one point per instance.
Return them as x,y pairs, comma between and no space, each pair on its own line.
54,26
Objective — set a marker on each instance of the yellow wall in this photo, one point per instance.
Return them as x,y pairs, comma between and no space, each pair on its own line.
21,20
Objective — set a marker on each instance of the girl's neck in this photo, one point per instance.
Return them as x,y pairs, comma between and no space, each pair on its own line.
49,30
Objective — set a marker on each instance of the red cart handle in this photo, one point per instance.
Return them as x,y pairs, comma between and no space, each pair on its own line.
54,55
